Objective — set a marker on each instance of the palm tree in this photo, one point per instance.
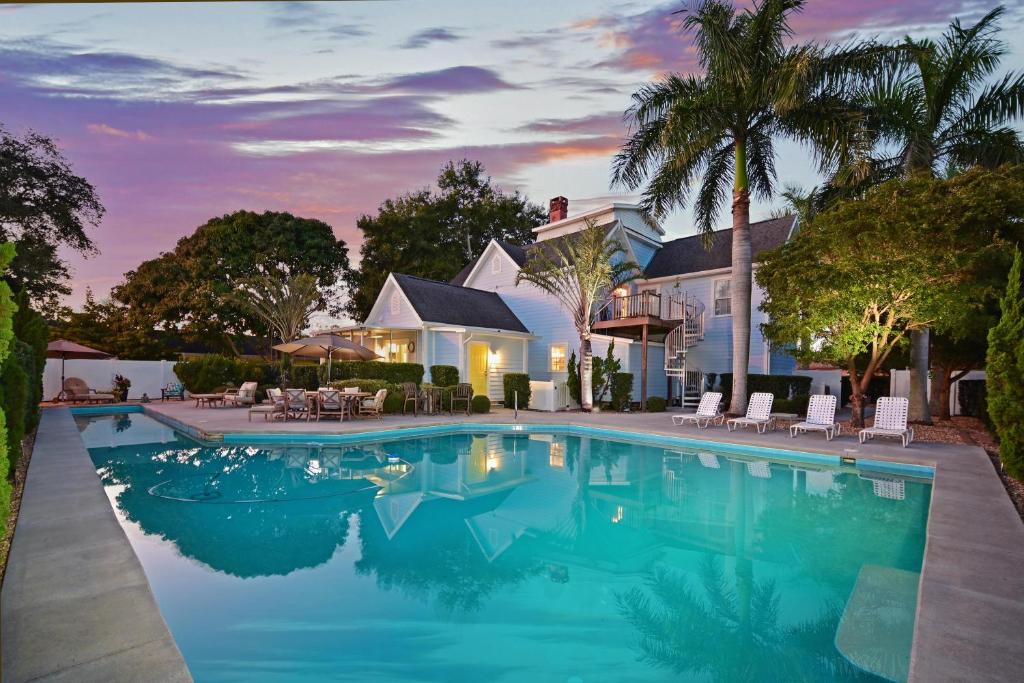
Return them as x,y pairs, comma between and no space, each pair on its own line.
934,110
723,125
285,305
579,270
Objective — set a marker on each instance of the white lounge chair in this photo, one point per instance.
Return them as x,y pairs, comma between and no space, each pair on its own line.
821,417
709,460
759,413
707,411
890,420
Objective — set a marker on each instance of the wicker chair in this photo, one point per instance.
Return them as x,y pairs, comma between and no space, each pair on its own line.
412,393
463,394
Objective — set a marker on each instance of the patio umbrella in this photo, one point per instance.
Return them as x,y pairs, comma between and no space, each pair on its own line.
65,349
327,346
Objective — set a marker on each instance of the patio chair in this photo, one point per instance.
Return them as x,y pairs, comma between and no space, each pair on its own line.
890,420
411,393
296,403
374,406
76,390
821,417
707,411
463,393
329,403
759,413
350,390
173,390
274,407
244,395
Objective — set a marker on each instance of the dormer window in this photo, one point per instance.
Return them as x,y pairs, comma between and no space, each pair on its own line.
495,264
396,304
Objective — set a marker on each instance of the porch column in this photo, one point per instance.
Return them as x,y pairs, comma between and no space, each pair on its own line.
643,371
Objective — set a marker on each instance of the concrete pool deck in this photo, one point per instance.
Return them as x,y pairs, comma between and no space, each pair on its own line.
971,599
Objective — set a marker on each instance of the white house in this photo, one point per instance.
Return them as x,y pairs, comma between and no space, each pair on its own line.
670,327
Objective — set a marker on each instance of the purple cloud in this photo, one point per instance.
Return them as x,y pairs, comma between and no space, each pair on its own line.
457,79
438,34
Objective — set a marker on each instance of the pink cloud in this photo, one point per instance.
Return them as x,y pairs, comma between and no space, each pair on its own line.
104,129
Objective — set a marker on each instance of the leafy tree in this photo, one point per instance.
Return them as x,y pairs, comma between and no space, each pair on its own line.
578,270
955,353
1005,373
44,207
605,370
7,309
721,127
435,234
862,275
942,106
284,305
189,291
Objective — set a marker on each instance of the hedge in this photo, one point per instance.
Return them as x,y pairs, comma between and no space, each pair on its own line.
444,375
207,373
15,396
796,405
655,404
622,390
781,386
481,404
396,373
517,382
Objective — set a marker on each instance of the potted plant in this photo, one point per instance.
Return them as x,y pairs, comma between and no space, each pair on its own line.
121,386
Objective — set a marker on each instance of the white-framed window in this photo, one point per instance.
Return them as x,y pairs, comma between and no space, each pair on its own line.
559,357
396,303
723,297
495,264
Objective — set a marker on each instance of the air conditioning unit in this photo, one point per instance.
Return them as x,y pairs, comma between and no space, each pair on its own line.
549,395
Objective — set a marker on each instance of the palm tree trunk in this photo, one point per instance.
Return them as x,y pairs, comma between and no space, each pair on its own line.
586,373
919,377
741,283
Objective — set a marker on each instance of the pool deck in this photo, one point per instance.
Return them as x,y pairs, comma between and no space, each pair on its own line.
970,608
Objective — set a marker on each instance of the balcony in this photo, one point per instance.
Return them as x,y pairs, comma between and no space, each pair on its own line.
627,314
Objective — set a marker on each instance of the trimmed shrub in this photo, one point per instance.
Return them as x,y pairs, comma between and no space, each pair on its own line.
444,375
208,372
622,390
781,386
973,398
655,404
14,398
481,404
304,377
6,337
396,373
517,382
573,379
1004,364
30,327
797,404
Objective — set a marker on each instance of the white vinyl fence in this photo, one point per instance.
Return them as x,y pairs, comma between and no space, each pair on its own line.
899,385
147,376
824,379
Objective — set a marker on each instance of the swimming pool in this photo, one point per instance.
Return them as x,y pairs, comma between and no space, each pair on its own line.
515,555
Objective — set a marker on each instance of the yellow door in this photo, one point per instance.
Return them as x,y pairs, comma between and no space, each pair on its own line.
478,367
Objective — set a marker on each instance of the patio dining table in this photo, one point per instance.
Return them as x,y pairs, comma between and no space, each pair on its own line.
348,399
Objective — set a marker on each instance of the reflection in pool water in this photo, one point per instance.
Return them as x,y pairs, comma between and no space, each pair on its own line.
514,557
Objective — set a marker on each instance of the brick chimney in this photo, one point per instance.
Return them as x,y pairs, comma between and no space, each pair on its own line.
558,209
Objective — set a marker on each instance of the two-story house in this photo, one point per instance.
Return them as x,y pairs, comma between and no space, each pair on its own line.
670,327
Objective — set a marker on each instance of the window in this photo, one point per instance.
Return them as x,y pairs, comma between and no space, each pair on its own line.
723,297
558,358
396,304
495,264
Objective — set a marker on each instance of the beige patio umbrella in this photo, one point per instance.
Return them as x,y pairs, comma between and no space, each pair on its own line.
64,349
329,346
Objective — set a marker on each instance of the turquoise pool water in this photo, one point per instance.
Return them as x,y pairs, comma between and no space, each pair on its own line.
515,557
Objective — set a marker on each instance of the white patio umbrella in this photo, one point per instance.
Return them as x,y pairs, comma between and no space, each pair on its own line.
329,346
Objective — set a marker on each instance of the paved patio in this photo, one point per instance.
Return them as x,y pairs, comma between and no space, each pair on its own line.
971,601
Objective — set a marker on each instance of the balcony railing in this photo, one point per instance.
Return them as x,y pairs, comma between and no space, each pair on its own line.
632,306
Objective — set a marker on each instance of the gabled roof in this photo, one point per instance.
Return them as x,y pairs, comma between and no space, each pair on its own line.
450,304
514,251
689,255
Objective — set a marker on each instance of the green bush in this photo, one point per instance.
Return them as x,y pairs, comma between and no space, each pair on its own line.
304,377
203,374
14,397
30,327
370,385
6,337
517,382
780,386
797,404
1004,364
656,404
622,390
573,379
396,373
481,404
444,375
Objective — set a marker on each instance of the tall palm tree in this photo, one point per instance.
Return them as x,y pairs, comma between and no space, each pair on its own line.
941,106
580,270
723,125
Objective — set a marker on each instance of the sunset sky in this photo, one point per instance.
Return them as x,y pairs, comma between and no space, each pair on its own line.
179,112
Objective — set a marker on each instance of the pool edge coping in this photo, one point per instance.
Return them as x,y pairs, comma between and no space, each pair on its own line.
51,623
982,591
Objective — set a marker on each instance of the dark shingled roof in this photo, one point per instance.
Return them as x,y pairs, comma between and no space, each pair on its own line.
442,302
688,254
517,253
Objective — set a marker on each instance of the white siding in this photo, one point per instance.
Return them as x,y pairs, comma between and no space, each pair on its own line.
382,315
445,350
506,355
